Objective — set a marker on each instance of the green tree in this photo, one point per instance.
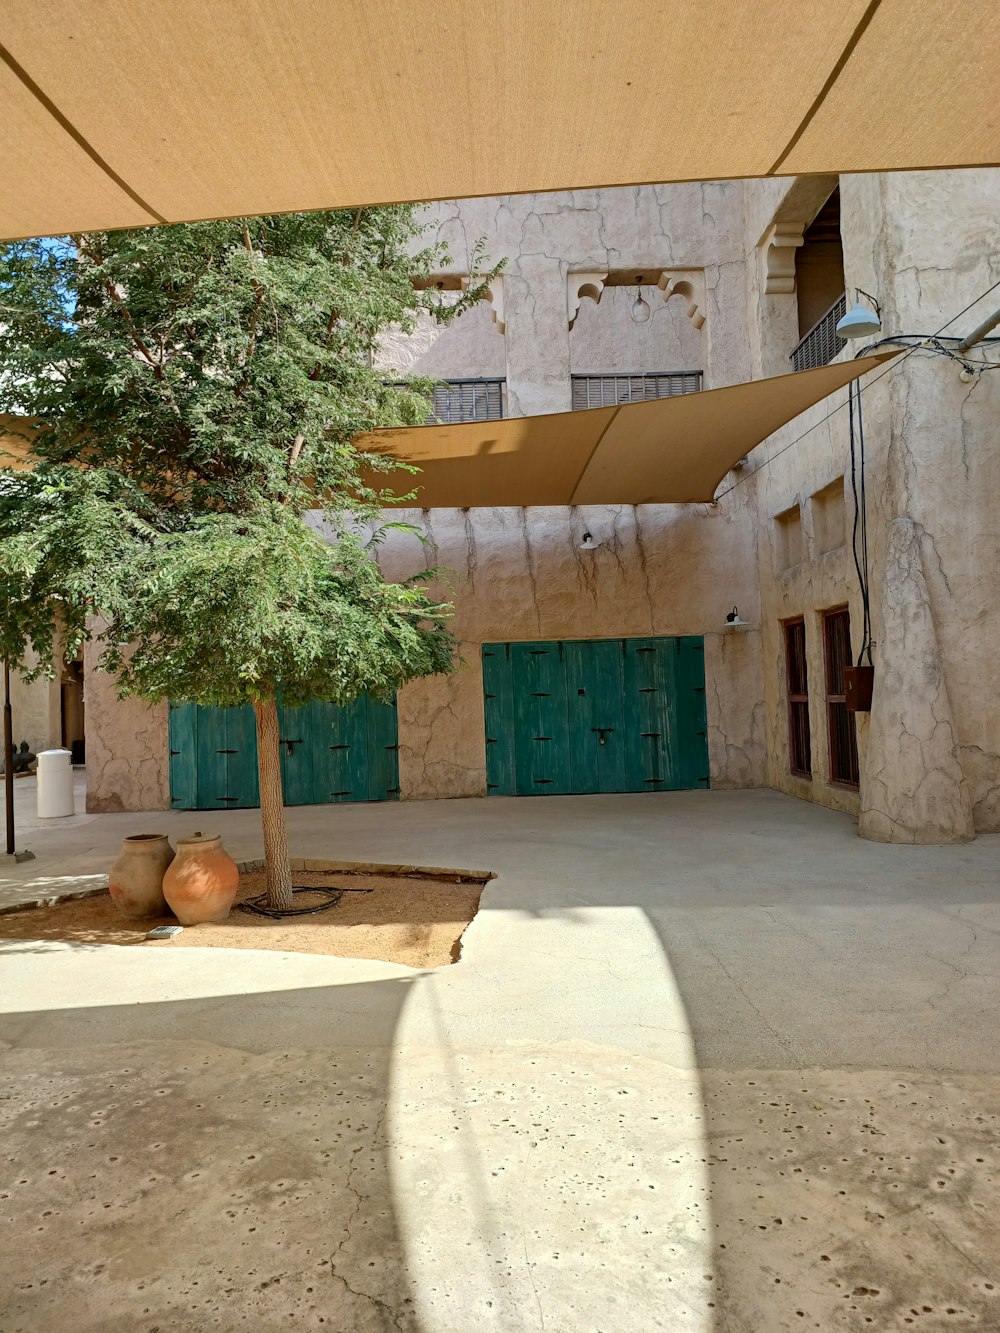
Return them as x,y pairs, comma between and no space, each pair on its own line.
189,394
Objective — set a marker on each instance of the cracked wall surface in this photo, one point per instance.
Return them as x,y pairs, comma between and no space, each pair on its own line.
925,245
519,574
127,749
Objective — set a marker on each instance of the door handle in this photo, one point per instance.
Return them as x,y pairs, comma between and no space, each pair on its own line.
290,743
601,731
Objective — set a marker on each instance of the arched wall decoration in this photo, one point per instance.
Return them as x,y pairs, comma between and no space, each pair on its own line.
459,282
779,245
494,294
579,285
690,284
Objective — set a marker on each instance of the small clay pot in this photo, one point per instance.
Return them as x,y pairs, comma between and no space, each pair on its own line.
135,881
201,883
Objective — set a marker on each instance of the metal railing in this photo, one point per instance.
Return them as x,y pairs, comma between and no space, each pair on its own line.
821,344
610,390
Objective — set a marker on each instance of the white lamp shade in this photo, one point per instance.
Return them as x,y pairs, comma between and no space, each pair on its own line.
859,322
640,311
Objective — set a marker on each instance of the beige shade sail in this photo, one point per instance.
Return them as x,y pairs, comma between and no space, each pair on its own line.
118,113
668,451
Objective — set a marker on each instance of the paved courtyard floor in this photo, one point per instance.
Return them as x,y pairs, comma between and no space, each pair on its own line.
708,1063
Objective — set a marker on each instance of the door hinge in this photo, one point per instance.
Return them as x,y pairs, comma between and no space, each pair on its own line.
227,798
650,689
175,751
649,733
227,752
340,793
541,738
340,747
543,779
699,689
540,694
392,791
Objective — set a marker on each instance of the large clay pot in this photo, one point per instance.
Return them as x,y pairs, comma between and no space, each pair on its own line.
135,881
201,883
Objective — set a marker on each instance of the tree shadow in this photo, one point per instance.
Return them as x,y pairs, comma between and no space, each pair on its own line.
205,1162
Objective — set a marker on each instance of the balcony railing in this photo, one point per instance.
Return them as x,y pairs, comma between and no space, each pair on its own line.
610,390
821,344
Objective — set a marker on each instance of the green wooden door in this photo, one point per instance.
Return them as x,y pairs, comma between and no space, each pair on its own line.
327,754
606,715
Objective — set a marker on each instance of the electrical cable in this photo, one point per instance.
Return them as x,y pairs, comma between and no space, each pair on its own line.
861,389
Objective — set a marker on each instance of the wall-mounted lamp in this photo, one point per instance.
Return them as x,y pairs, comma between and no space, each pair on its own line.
860,322
733,620
587,542
640,309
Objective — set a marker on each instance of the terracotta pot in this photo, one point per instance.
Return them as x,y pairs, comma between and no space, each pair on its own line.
201,882
135,881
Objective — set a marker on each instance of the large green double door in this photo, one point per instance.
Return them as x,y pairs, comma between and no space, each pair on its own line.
607,715
327,754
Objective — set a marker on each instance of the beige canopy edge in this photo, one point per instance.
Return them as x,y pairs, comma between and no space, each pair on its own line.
668,451
118,113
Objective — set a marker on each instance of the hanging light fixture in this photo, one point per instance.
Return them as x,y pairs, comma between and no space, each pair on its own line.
859,322
640,309
733,620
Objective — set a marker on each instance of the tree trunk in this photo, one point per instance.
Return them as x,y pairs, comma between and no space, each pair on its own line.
272,806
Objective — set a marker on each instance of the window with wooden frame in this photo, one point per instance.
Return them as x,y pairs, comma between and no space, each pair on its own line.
797,679
840,723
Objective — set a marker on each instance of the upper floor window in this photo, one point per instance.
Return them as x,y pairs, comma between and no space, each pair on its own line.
611,390
467,400
819,288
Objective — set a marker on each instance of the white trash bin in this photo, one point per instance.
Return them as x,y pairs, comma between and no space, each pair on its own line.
55,784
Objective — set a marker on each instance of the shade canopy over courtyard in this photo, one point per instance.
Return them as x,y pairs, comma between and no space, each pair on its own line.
121,115
667,451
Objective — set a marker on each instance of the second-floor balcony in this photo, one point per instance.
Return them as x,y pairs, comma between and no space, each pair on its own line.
821,344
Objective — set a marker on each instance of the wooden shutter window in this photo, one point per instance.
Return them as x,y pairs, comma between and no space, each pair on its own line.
797,681
841,724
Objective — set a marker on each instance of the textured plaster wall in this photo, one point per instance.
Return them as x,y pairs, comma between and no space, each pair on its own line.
35,711
520,575
126,746
926,244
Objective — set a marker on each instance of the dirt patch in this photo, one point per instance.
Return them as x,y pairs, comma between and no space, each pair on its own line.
391,918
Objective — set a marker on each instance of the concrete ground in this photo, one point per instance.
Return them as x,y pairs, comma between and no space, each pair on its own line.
708,1063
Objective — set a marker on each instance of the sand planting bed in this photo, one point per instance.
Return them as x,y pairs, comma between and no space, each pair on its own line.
396,918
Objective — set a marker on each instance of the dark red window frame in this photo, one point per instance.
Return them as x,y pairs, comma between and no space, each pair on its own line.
841,724
797,683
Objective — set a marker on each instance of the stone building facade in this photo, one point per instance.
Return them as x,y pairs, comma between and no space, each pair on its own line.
733,274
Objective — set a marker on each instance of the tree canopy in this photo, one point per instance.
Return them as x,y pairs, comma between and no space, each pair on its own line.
211,378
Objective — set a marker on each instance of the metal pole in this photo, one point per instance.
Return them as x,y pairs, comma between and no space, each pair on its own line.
979,332
8,758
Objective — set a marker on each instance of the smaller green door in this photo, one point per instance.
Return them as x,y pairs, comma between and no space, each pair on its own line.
327,754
